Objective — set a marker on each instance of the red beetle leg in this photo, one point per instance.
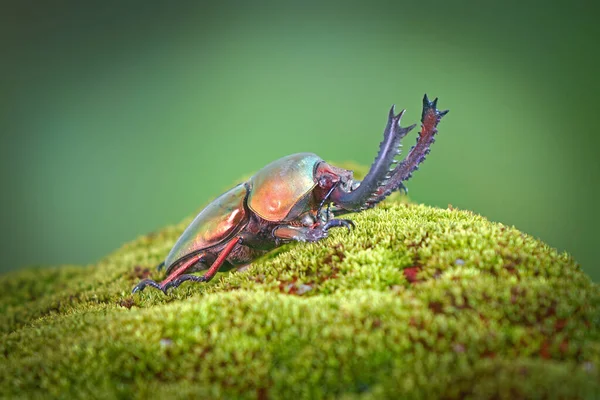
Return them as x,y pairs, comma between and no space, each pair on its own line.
176,278
180,270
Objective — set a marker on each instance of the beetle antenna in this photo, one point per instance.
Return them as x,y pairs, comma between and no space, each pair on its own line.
325,199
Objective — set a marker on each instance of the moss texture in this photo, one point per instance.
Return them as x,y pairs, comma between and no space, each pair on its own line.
417,302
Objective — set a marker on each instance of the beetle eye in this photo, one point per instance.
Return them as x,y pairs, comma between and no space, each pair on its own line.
328,180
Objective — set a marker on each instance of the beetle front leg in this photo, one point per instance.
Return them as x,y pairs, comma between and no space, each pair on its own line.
299,234
305,234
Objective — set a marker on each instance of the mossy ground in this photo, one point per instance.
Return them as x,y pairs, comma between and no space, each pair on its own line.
416,302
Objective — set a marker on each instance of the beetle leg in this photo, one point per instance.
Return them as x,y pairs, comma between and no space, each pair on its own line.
305,234
146,282
177,277
299,234
182,278
180,270
336,211
338,223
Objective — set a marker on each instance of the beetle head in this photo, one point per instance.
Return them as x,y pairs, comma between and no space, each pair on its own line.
328,177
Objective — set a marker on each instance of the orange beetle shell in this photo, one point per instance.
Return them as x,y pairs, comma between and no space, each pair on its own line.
280,185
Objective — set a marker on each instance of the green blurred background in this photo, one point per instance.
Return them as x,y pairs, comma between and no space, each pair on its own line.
118,118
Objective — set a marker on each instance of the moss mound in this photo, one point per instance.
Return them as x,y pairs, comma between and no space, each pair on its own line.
417,302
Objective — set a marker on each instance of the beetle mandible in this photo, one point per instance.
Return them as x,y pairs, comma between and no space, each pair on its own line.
290,200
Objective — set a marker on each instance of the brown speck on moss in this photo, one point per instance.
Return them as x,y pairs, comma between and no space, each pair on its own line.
560,324
488,354
288,287
419,242
127,302
545,349
338,253
436,306
515,293
262,393
411,273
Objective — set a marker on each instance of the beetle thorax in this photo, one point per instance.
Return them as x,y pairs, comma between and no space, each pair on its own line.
280,190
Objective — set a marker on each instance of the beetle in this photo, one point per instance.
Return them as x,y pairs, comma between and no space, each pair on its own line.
291,200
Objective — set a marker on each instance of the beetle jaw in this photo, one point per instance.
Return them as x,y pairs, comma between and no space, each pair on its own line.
386,173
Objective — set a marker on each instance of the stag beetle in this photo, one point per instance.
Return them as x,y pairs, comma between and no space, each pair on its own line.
285,202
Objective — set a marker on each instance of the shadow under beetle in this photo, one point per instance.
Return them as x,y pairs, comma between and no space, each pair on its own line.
290,200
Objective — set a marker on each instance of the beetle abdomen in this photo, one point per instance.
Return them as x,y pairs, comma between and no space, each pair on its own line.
212,225
280,185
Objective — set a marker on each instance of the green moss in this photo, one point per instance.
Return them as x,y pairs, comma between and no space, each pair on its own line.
417,302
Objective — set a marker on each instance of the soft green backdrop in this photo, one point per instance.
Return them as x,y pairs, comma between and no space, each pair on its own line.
121,117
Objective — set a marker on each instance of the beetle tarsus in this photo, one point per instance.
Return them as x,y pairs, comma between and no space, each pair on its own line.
335,223
146,282
182,278
160,266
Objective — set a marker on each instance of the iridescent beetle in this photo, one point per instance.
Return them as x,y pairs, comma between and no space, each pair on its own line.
285,201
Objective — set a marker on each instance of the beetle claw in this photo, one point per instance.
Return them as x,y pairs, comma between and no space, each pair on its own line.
160,266
142,285
335,223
